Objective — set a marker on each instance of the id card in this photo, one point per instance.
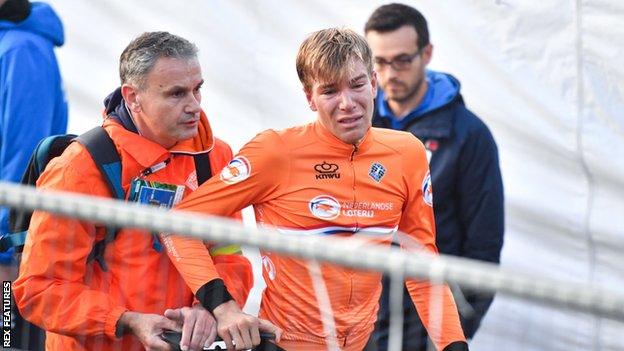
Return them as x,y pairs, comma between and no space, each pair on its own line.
155,193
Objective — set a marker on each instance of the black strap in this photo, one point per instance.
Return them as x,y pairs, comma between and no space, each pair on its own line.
456,346
104,153
202,167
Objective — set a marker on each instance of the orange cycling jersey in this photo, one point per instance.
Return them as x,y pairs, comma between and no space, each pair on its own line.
304,180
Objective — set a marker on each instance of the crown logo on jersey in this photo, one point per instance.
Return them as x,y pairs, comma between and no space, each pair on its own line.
377,171
327,171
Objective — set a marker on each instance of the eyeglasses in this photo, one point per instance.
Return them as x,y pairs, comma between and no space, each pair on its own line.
399,63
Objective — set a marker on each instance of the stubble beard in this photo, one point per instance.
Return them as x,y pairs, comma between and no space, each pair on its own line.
409,94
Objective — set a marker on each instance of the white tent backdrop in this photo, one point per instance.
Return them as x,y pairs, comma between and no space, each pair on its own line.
544,75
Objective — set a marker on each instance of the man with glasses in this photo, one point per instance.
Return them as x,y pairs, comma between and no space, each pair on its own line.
468,190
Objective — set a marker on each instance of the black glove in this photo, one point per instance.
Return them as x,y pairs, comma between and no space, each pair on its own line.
456,346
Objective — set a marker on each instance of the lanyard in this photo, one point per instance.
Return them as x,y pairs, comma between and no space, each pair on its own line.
155,168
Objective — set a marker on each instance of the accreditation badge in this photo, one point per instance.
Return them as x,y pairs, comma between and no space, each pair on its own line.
158,194
155,193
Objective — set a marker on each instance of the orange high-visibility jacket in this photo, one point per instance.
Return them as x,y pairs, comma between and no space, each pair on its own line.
77,303
304,180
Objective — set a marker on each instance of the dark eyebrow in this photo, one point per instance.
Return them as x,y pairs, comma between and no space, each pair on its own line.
393,58
182,88
402,55
173,88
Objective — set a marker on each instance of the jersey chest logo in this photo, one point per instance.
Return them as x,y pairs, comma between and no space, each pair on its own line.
326,171
377,171
324,207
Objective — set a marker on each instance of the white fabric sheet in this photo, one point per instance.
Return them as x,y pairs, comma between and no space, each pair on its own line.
546,76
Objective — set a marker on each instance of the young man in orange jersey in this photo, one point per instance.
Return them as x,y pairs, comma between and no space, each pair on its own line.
335,176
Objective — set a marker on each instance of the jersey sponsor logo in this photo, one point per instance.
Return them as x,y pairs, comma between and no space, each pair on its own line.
359,213
364,209
377,171
324,207
326,171
427,190
268,266
236,171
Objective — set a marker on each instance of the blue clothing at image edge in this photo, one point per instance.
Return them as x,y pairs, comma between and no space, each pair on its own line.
32,102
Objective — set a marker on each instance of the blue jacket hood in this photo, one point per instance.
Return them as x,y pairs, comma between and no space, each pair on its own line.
42,21
116,109
442,90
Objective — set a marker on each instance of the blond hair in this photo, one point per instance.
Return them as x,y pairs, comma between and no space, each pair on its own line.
325,55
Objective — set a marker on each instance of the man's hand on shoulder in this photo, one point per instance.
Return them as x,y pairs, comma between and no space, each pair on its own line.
241,331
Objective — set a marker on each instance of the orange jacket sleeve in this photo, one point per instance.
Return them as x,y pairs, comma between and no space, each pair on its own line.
50,289
434,303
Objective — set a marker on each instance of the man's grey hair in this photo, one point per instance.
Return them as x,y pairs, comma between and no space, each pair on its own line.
140,56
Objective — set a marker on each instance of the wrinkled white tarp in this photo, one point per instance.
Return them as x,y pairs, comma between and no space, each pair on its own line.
546,76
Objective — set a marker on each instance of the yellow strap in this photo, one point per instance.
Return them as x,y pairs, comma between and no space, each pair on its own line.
226,250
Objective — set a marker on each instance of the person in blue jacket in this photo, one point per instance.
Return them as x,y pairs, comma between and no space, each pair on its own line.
32,101
463,157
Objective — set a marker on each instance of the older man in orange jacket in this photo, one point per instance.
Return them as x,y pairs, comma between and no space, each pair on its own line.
157,126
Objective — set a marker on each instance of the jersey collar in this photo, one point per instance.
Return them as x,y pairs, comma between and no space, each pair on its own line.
332,141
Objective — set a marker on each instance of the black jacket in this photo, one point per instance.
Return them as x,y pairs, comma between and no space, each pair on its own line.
467,195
